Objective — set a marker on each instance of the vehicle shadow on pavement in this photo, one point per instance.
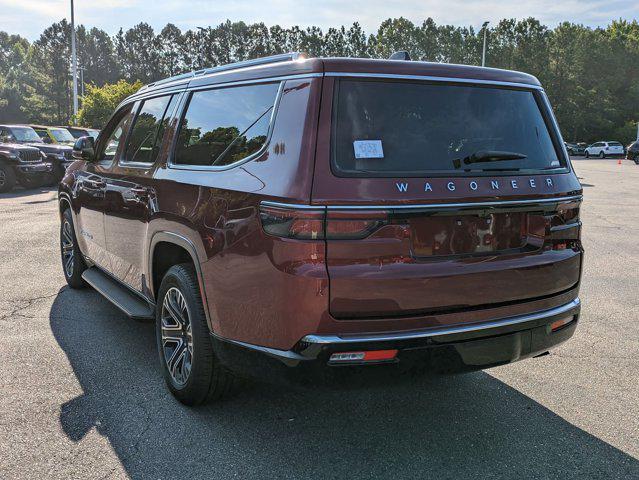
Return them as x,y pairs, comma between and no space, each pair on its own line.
19,192
471,425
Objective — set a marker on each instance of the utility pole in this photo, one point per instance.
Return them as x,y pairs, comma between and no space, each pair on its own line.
74,64
483,53
200,50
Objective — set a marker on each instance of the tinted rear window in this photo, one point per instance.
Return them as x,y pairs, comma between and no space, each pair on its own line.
614,144
386,128
225,125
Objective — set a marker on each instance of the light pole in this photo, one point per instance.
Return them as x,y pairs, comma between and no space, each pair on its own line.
200,53
74,64
483,53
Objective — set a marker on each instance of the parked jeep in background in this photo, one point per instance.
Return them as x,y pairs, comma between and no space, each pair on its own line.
60,156
632,152
22,164
79,132
59,135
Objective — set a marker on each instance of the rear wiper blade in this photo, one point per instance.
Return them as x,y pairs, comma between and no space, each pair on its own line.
488,156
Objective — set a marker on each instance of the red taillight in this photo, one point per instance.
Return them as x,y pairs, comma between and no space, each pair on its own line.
350,225
302,224
314,224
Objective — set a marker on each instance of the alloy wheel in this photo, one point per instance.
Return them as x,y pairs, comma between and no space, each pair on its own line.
68,251
177,338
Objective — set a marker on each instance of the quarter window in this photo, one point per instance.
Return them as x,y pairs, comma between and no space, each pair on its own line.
225,125
146,134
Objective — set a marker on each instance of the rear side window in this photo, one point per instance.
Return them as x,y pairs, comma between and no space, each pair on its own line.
148,128
614,144
225,125
390,128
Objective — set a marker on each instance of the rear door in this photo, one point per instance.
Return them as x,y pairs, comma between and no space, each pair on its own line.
443,197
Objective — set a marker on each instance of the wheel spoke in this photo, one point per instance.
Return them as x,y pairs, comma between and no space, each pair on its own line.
175,330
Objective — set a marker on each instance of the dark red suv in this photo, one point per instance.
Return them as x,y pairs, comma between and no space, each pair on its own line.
320,219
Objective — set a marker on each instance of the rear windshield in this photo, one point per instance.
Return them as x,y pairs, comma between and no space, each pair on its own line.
390,128
614,144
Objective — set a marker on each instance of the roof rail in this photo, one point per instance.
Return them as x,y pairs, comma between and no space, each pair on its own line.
282,57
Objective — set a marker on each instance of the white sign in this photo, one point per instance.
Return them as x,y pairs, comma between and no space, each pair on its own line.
368,149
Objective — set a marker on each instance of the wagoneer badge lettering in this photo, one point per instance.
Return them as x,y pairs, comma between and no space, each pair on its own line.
473,185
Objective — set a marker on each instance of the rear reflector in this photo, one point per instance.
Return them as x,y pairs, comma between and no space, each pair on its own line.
558,324
368,356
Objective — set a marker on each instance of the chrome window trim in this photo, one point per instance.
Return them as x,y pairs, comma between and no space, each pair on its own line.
495,203
184,106
436,332
430,78
281,78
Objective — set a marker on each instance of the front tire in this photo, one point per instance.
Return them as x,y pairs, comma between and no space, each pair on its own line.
190,369
586,154
7,178
602,154
73,264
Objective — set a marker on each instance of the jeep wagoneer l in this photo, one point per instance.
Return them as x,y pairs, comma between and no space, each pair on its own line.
310,219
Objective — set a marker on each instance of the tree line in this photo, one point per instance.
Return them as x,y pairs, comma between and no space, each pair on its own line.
591,75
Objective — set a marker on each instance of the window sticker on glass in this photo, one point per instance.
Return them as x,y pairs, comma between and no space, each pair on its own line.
368,149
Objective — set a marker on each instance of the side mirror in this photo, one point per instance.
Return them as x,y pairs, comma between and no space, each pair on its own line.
84,149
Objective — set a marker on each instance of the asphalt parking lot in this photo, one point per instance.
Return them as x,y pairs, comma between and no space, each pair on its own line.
82,396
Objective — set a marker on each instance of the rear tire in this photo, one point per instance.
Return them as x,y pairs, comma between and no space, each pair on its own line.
636,159
191,371
7,178
73,264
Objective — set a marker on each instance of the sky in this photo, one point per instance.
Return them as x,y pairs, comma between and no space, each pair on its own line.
30,17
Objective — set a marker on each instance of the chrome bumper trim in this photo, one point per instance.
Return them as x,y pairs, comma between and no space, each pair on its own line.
436,332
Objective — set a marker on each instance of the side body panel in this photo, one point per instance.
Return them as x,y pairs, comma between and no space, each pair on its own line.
259,289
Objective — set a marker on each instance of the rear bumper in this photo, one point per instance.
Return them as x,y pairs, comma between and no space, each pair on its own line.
451,349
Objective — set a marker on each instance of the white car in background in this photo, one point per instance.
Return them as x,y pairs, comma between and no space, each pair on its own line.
604,149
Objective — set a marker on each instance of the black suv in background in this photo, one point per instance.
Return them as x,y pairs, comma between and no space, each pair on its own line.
23,164
59,156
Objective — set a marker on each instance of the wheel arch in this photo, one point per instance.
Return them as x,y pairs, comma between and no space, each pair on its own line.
160,242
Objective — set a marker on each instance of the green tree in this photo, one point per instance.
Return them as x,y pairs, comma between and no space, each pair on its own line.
100,102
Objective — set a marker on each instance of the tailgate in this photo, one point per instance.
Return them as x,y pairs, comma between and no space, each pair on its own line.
420,260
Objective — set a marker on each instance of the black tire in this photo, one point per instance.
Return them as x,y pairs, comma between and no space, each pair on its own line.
636,159
7,178
69,246
602,154
586,154
32,181
57,174
184,335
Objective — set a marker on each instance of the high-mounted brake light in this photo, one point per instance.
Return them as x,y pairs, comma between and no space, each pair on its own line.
315,224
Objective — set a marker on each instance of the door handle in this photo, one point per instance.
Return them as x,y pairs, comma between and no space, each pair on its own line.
140,190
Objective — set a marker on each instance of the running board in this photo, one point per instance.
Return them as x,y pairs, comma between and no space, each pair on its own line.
133,305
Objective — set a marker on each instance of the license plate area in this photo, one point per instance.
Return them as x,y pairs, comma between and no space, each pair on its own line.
484,233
